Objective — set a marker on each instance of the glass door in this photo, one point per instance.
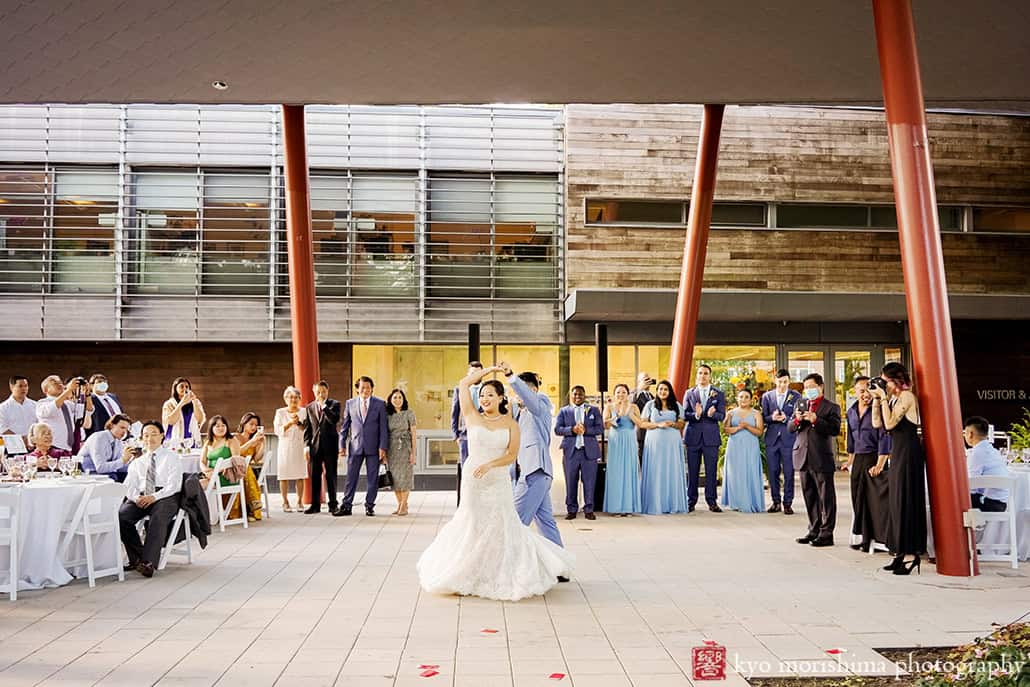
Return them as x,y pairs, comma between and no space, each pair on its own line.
847,365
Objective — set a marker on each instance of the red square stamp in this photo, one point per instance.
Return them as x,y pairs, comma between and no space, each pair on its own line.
709,661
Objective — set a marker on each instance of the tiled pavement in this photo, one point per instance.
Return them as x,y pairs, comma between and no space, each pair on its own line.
313,601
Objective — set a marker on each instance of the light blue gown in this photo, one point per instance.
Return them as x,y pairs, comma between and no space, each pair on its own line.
622,477
663,484
742,481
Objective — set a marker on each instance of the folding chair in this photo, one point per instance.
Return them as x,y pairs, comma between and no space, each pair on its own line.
977,518
263,486
96,515
233,491
9,503
170,548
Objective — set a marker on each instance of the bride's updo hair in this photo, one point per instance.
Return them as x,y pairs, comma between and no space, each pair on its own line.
502,407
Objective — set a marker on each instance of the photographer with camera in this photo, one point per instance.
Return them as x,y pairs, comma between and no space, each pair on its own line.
67,410
106,452
640,397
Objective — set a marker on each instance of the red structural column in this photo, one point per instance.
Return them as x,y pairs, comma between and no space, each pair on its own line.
926,292
688,300
304,325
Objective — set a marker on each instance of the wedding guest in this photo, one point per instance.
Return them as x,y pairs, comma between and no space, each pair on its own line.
42,438
622,478
105,404
364,438
816,425
640,397
868,450
183,413
985,460
151,486
400,456
897,410
663,484
321,434
578,424
67,409
704,410
291,464
106,452
218,444
18,412
777,409
742,488
251,436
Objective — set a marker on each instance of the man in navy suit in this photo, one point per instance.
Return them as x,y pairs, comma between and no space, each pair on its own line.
705,408
364,439
579,424
105,404
322,439
778,409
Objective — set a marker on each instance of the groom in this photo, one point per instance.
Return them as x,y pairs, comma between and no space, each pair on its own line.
533,490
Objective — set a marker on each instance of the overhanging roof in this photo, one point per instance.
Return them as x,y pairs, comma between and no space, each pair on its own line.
469,51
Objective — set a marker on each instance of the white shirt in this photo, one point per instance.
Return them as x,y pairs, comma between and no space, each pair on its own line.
17,417
702,393
167,480
48,412
110,405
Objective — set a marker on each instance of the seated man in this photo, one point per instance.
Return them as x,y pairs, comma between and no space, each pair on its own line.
42,439
984,459
105,453
151,489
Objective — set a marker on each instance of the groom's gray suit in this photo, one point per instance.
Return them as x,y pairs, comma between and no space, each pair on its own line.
533,490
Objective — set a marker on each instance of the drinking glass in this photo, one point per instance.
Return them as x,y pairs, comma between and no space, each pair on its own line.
6,462
30,471
52,462
64,466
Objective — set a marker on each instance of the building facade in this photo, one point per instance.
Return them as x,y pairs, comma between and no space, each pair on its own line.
148,242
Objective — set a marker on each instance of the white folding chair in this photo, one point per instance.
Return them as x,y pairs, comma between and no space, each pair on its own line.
9,502
977,518
181,522
96,515
263,486
233,491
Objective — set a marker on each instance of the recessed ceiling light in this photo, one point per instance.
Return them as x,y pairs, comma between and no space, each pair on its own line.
219,85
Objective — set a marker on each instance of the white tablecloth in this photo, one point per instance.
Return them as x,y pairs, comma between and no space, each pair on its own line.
1019,500
46,505
190,462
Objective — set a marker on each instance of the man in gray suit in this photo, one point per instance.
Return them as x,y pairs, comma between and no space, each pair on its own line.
364,438
533,489
816,423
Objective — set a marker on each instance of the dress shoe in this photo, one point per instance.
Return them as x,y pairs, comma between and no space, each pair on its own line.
775,508
827,541
130,566
690,509
714,507
341,511
787,510
807,539
570,516
145,569
562,578
370,511
311,510
591,516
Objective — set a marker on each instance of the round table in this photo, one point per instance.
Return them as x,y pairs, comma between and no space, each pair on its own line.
190,462
46,505
1019,501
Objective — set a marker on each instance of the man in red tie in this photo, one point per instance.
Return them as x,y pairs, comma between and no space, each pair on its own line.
321,437
817,424
364,438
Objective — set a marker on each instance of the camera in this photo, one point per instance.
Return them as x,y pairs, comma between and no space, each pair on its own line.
136,451
878,383
81,381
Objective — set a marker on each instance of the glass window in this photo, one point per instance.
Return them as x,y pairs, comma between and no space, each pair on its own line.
85,214
1008,220
330,212
846,366
383,221
636,212
654,360
525,249
236,233
583,371
886,217
165,257
459,242
738,214
540,359
811,215
738,367
800,364
23,221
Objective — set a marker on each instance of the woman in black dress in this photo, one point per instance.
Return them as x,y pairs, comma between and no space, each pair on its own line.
897,410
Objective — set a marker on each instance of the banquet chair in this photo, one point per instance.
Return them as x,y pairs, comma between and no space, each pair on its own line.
263,486
978,518
97,515
233,491
9,502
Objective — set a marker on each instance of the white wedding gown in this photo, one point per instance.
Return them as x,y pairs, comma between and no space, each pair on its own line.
485,550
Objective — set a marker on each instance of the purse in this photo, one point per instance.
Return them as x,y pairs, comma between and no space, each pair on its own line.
385,477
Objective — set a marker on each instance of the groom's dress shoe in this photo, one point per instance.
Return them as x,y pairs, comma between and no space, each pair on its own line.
714,508
570,516
591,516
787,510
342,511
824,541
370,511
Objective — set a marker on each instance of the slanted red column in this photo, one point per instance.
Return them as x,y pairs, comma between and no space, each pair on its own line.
304,325
926,292
688,301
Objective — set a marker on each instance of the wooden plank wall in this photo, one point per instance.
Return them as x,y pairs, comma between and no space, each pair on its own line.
786,154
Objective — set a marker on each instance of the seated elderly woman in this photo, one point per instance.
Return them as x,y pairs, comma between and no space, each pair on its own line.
42,438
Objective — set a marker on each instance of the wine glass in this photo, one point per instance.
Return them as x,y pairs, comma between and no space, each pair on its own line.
52,462
64,466
6,462
29,472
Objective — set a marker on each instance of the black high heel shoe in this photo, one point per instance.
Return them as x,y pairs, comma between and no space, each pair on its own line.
896,563
906,568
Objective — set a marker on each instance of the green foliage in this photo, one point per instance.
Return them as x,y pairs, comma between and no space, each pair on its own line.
999,660
1019,434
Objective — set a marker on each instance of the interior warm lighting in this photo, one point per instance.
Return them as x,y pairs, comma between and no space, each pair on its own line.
80,201
4,200
252,205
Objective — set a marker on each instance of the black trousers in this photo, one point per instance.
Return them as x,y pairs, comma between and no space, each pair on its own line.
987,505
869,500
161,513
820,502
323,461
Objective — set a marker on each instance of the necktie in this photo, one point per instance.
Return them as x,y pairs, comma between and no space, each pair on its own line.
579,420
779,400
364,408
68,424
151,485
107,404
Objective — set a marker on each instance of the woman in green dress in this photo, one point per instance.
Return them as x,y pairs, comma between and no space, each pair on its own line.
400,458
220,443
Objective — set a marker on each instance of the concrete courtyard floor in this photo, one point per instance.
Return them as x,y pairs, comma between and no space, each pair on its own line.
312,601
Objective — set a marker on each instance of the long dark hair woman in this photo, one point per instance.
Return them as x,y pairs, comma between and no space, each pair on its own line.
183,414
896,409
400,457
663,480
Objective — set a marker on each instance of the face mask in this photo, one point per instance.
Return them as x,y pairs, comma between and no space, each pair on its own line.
101,387
812,394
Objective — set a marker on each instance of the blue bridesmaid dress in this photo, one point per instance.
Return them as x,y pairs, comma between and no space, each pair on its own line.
742,479
663,484
622,482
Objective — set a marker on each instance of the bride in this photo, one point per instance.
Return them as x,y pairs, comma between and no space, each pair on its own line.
485,550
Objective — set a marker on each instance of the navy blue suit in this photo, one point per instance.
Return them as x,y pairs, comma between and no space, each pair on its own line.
703,438
363,439
779,444
579,463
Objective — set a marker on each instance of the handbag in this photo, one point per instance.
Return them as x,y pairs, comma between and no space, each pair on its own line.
385,477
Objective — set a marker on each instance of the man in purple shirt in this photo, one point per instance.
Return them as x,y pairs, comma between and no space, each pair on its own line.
868,449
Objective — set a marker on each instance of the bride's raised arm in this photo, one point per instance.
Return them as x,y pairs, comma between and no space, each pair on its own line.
468,408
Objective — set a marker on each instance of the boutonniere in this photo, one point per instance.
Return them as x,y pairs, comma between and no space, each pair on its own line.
712,394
